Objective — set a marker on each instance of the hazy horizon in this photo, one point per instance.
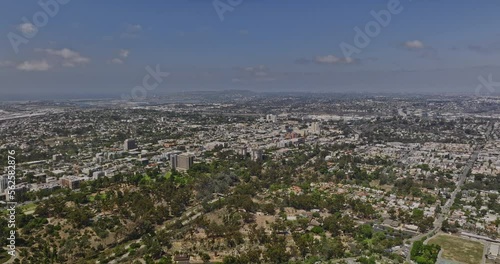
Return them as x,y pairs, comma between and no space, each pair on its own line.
384,46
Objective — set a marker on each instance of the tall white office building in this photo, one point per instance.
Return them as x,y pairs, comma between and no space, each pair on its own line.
315,128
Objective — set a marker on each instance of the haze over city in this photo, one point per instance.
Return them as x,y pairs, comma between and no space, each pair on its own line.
101,48
249,132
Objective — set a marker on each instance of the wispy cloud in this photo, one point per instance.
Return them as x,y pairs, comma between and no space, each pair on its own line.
260,73
70,58
132,31
34,66
423,50
116,61
124,53
122,56
327,60
256,68
134,28
332,59
27,28
414,44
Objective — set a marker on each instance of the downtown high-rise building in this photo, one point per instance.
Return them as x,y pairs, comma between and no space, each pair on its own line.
129,144
3,183
182,162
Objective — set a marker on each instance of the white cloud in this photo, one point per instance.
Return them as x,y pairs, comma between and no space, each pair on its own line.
71,58
116,61
256,68
260,73
124,53
134,28
266,79
424,51
27,28
132,31
122,56
65,53
414,44
33,66
332,59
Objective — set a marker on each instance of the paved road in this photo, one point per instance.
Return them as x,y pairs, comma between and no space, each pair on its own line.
445,210
485,251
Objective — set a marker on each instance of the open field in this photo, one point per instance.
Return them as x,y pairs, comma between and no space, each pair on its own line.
459,249
29,208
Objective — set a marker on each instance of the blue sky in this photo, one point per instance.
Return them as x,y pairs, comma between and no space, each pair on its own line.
103,47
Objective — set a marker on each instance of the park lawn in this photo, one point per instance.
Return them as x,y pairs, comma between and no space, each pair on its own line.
459,249
102,196
29,208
